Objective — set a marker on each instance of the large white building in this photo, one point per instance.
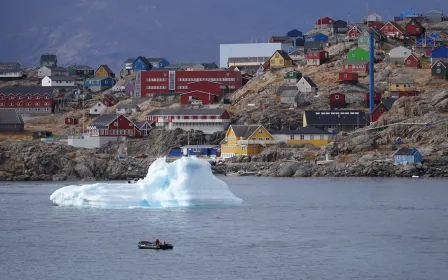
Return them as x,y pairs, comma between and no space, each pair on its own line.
248,50
208,121
58,81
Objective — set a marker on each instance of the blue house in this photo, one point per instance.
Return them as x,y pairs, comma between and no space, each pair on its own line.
158,62
99,83
294,33
317,38
408,14
439,54
141,64
196,150
407,155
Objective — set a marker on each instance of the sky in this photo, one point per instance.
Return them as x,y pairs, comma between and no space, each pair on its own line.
109,31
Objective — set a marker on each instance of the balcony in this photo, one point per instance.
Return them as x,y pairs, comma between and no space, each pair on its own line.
257,142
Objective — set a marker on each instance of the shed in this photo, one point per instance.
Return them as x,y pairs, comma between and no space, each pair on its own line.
281,89
348,78
71,121
412,61
290,96
337,100
407,155
292,77
439,70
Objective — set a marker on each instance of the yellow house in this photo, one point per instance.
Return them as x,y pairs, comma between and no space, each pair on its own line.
280,59
397,85
305,135
245,140
104,71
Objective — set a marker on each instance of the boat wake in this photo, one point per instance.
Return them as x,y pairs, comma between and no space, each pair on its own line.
186,182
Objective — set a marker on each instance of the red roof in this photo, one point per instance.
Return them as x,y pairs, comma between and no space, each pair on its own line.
324,20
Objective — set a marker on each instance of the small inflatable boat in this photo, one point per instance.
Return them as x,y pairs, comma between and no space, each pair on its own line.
153,246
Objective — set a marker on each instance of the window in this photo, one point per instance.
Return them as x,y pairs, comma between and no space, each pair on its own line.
276,55
28,104
438,71
321,137
302,137
116,123
260,131
336,96
291,137
260,139
243,148
272,61
130,124
267,139
37,104
417,29
281,61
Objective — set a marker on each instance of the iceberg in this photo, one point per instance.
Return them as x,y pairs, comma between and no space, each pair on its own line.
186,182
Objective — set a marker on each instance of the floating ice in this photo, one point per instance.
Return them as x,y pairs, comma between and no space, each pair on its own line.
185,182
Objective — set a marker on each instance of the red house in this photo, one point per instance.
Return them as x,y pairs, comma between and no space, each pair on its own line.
324,22
353,33
361,67
109,100
71,120
205,97
412,61
414,28
383,107
348,78
113,125
27,100
376,98
337,100
166,82
376,24
393,30
316,57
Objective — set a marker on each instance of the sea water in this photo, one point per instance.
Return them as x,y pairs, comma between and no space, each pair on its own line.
186,182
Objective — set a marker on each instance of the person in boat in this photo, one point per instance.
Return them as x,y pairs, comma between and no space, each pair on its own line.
157,241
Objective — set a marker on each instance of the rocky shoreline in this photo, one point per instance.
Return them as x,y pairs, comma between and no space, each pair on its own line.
36,161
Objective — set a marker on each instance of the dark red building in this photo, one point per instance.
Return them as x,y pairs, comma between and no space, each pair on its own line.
165,82
205,97
361,67
348,78
324,22
337,100
28,100
376,99
113,125
383,107
110,100
71,120
353,33
412,61
393,29
414,28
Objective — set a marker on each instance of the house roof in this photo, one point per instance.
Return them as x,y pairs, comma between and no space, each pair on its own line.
261,59
396,25
303,130
60,69
313,45
200,146
130,60
144,59
26,90
48,57
209,65
141,124
8,64
245,131
127,106
434,12
283,54
61,78
108,70
355,62
310,81
341,117
81,67
10,116
187,112
413,55
290,93
405,151
388,102
154,59
406,80
104,120
281,89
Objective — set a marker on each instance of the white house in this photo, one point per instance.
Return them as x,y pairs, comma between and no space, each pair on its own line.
58,81
45,71
127,109
98,108
373,17
399,54
307,85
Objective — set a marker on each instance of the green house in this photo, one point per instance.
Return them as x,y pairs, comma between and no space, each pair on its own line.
358,54
439,70
292,76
